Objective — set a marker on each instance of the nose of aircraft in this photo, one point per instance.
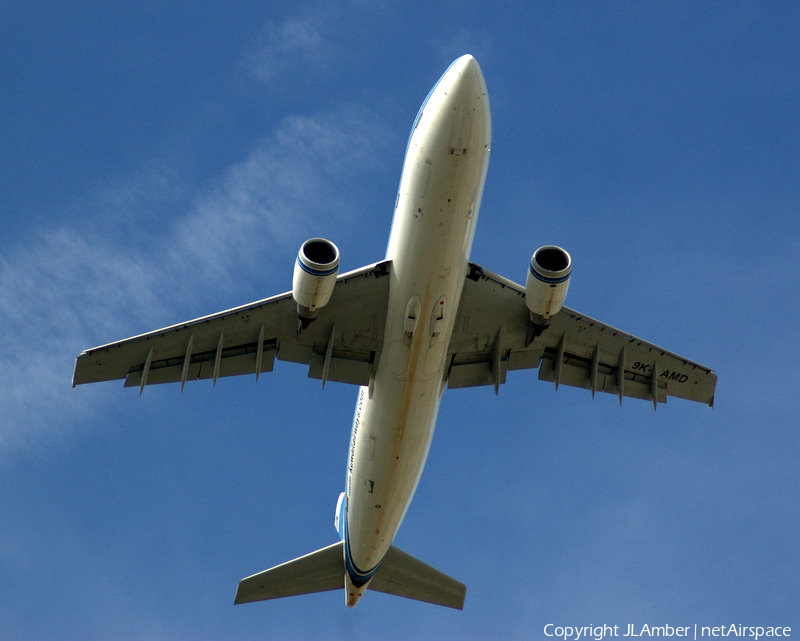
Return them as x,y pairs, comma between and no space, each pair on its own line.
461,96
464,79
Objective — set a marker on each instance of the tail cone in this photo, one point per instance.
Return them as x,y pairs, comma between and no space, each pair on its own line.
351,592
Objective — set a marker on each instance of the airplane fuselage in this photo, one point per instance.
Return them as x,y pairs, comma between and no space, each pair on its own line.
432,231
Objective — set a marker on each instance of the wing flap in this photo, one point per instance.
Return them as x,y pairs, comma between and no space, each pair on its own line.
607,380
475,374
201,366
357,371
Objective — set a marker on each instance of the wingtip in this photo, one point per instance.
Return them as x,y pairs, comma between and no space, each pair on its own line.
75,373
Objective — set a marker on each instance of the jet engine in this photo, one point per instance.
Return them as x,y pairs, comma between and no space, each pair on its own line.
547,283
314,276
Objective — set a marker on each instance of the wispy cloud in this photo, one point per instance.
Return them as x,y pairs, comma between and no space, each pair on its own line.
111,275
298,40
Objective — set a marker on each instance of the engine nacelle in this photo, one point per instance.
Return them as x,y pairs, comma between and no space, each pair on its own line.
314,276
547,283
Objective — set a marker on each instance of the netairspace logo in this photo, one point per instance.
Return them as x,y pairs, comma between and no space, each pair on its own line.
600,632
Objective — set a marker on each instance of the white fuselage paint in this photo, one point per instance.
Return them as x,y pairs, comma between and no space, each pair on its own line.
431,237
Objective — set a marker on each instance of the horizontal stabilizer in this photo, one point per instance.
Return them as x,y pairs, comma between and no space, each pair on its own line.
316,572
401,574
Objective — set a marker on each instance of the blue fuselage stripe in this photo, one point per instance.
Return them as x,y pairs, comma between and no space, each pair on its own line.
357,576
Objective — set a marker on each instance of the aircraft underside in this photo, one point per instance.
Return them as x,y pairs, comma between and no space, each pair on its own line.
403,330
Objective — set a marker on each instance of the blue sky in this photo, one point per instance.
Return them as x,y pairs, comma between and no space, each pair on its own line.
163,163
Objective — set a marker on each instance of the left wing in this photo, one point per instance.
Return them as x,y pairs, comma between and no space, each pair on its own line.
342,344
493,334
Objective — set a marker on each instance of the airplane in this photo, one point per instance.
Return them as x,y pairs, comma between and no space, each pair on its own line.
403,329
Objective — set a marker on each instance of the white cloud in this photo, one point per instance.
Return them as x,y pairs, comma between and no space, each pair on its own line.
282,45
76,285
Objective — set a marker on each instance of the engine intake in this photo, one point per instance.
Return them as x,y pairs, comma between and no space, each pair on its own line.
547,283
314,277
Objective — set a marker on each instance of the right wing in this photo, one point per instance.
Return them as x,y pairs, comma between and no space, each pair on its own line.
493,334
342,344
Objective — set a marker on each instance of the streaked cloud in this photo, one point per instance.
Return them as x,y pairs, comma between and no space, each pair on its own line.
297,40
85,283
